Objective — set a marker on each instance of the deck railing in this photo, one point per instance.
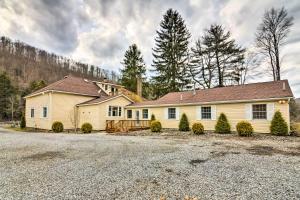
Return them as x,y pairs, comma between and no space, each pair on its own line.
126,125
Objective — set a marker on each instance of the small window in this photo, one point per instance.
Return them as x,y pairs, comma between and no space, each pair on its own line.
171,113
206,112
45,112
145,113
129,114
259,111
114,111
105,87
32,112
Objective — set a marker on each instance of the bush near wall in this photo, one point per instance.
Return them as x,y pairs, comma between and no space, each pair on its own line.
222,126
57,127
244,128
155,126
86,128
23,122
184,124
198,128
152,117
279,125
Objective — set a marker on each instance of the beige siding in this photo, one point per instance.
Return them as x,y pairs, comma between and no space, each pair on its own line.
64,107
37,103
98,114
234,112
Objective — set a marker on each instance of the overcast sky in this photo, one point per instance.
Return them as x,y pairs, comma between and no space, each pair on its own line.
99,31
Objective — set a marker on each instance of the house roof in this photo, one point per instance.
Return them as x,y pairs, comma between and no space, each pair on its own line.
102,99
247,92
71,84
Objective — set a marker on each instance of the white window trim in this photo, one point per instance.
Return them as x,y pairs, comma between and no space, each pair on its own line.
122,111
42,112
33,113
267,112
143,113
210,113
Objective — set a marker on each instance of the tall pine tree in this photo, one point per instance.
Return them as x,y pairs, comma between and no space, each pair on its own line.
6,92
228,56
134,68
171,54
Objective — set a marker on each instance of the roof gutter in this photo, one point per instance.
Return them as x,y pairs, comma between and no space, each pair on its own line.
206,103
58,91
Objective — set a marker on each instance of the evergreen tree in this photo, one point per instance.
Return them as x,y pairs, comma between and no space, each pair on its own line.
171,54
227,55
279,125
184,124
6,92
134,68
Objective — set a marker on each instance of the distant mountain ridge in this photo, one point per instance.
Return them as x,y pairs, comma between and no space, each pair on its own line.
24,64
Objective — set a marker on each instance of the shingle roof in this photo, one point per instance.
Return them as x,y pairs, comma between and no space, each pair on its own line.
254,91
97,100
72,84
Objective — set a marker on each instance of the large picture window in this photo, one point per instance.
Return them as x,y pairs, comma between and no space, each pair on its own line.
114,111
171,113
145,113
205,112
259,111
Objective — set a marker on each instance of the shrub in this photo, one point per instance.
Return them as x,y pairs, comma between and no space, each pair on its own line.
86,128
152,117
184,124
222,126
23,122
294,129
278,125
57,127
155,126
198,128
244,128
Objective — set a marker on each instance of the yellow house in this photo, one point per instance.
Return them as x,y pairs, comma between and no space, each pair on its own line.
255,103
74,101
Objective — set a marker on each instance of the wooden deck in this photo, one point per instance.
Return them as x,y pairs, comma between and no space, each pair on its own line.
126,125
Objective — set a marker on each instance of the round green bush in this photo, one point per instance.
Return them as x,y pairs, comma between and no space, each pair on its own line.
279,125
222,126
198,128
57,127
23,122
184,124
86,128
244,128
155,126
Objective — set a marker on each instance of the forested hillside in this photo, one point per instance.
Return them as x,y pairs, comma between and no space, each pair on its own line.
24,63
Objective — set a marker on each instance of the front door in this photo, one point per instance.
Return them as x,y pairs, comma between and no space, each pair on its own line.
137,117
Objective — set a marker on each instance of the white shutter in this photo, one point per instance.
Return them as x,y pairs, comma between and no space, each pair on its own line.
248,111
166,113
213,112
177,113
198,112
270,111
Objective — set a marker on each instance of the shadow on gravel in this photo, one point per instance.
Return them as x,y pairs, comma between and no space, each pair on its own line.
45,156
214,154
269,151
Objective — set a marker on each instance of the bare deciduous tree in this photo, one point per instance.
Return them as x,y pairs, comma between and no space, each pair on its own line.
271,35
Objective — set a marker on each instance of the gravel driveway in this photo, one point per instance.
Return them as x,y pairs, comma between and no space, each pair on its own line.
100,166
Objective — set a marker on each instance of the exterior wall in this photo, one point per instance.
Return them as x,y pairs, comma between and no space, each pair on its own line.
63,107
234,112
37,103
97,114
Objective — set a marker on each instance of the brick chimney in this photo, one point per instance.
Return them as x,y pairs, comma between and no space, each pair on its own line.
139,86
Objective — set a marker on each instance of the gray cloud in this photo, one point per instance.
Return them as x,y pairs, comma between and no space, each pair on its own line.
99,31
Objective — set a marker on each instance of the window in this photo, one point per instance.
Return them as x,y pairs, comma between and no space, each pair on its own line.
206,112
145,113
171,113
105,87
114,111
32,112
259,111
45,112
129,114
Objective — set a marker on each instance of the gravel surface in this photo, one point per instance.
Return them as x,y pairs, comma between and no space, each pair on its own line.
101,166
